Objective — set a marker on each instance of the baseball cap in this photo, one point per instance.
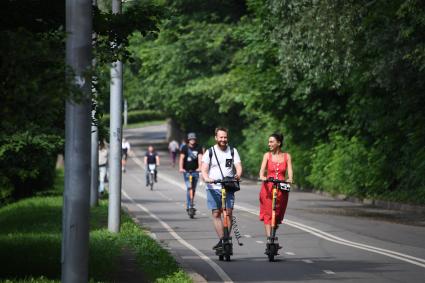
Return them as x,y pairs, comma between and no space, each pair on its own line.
191,136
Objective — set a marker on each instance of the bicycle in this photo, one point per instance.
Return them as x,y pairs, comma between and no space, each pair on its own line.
272,245
151,175
227,246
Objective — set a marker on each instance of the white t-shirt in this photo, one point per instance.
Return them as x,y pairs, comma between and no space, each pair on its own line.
225,159
173,146
125,145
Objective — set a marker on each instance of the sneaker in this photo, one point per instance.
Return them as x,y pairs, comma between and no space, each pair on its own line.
219,245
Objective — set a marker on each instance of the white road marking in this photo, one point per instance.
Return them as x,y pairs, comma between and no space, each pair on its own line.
247,236
307,261
314,231
259,242
170,230
190,257
163,195
289,253
328,272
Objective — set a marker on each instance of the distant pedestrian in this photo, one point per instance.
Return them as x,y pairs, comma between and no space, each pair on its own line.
103,162
173,147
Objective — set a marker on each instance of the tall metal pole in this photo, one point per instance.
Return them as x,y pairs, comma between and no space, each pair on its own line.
125,112
115,138
75,229
94,184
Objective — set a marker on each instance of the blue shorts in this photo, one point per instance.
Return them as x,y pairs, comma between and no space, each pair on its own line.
214,199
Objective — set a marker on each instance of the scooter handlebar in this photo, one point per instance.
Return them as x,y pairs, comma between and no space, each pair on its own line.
276,181
281,184
224,181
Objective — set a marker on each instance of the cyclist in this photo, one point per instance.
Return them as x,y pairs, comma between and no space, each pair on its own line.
151,157
190,163
277,164
125,146
220,158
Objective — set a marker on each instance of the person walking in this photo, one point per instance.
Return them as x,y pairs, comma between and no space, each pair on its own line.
276,164
173,147
190,164
103,162
218,162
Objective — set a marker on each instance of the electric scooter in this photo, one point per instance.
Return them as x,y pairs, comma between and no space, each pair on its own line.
272,245
227,248
191,211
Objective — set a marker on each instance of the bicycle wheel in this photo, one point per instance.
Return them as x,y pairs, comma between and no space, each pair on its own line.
151,181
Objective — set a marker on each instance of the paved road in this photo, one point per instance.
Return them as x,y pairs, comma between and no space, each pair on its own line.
323,239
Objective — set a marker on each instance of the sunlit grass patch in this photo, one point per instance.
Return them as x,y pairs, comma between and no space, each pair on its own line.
30,244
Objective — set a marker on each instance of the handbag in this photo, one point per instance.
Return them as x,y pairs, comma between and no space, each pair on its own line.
230,186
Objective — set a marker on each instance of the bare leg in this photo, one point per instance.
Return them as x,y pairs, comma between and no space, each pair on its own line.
267,228
218,223
229,218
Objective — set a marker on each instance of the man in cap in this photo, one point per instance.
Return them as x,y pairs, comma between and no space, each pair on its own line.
190,164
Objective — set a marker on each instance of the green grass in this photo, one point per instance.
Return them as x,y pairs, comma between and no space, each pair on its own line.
30,243
144,124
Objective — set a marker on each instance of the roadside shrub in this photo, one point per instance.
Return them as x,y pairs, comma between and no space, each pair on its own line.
341,166
139,116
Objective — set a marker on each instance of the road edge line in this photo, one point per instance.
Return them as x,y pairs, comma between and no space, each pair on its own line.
220,272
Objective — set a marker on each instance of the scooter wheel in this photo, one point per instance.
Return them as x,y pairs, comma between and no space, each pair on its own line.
220,257
227,257
272,252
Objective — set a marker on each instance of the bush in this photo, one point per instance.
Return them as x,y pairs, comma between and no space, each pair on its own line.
139,116
341,166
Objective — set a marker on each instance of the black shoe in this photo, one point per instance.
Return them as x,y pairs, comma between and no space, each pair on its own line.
219,245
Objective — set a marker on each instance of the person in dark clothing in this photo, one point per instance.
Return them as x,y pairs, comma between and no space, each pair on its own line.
151,157
190,164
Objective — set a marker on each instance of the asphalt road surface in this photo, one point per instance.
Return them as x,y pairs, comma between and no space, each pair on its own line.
324,240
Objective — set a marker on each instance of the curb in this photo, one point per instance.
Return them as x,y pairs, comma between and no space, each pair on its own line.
374,202
195,276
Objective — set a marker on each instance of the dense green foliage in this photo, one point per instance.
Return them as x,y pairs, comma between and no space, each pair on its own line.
343,80
34,87
138,116
30,243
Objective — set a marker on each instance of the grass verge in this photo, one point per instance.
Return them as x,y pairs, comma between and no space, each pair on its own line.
30,243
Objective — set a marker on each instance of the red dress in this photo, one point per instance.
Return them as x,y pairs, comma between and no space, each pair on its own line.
277,171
